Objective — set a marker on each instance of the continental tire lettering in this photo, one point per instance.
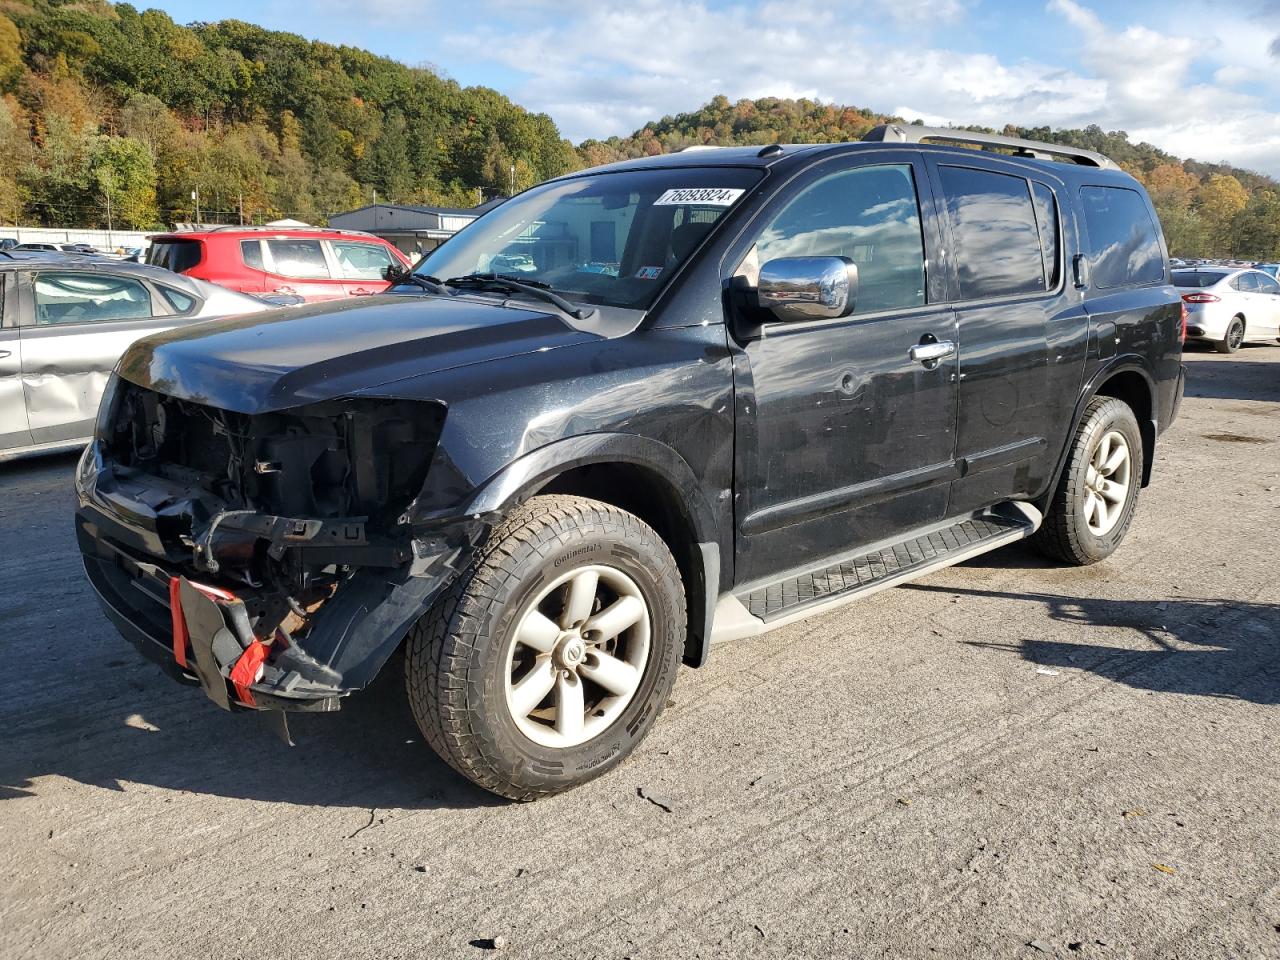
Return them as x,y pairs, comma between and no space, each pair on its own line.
581,551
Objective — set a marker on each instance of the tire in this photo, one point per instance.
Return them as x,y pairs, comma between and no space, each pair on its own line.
1234,337
467,655
1073,532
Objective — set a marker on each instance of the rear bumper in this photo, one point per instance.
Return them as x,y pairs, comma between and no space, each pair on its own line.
1178,393
1207,321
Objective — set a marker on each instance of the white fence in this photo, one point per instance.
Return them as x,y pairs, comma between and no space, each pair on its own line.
102,239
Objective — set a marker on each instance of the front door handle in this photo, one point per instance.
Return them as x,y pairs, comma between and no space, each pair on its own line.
5,353
930,353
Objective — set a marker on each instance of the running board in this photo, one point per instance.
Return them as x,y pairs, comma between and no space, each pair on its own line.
766,606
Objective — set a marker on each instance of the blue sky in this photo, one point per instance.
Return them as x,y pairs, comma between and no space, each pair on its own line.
1196,77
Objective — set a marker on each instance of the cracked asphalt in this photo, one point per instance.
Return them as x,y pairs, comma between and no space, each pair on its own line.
1006,759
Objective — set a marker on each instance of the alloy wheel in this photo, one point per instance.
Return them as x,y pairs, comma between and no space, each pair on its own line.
1106,483
577,656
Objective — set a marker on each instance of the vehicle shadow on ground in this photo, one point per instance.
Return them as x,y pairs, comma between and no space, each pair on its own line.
1209,648
369,755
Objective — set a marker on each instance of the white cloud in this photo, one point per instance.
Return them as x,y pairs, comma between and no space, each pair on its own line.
604,69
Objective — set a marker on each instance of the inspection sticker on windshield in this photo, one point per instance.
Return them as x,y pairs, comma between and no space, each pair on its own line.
706,196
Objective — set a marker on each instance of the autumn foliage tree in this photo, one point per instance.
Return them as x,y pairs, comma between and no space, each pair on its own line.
108,109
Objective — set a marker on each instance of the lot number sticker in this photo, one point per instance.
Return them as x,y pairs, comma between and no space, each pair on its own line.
706,196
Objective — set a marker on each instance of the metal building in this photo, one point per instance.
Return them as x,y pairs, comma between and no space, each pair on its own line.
413,229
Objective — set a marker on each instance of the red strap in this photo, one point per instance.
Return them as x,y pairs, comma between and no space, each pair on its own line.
245,672
180,637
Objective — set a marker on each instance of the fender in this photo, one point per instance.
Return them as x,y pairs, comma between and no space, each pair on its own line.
523,478
1123,363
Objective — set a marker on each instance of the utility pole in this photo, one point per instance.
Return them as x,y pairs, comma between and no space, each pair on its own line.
195,198
240,200
107,193
513,180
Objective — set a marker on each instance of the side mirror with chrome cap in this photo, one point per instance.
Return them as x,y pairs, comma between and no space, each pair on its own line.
808,288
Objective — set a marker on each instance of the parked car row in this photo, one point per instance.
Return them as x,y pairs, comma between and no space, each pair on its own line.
65,320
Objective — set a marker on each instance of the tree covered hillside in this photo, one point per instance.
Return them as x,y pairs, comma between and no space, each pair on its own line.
1207,209
103,107
100,100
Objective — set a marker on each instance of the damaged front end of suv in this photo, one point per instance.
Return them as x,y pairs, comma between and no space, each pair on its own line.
270,557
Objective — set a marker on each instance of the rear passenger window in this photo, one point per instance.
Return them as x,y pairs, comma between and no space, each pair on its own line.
88,298
994,232
1124,242
871,216
298,258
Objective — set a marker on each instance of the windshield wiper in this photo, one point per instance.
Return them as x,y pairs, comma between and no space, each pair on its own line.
533,288
426,283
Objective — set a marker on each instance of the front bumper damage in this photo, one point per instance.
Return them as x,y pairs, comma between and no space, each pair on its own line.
348,639
180,574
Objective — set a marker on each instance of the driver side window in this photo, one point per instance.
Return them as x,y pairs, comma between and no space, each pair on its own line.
870,215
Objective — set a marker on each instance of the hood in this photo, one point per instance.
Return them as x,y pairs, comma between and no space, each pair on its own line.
283,358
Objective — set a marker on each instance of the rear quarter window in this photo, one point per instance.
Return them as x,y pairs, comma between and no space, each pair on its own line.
1123,240
176,255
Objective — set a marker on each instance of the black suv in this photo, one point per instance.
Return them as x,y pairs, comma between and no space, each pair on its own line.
630,413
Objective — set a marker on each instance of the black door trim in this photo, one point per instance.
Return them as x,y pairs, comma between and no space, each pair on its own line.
1003,455
845,498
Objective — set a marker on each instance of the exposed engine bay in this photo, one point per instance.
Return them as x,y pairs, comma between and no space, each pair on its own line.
274,516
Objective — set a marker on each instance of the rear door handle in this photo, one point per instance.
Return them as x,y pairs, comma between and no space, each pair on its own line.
931,353
5,353
361,292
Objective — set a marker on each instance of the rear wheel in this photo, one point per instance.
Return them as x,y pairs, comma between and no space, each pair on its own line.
1234,337
1091,511
554,652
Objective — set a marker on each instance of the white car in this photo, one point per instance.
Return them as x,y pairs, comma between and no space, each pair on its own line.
1229,307
65,320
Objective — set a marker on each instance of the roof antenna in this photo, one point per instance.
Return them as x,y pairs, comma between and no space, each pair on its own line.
772,150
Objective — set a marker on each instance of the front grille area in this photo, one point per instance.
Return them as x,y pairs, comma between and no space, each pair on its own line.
338,458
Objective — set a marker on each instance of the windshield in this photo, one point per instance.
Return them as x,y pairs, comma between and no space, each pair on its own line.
1196,278
607,239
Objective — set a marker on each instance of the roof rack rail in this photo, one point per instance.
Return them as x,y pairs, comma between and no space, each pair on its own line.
909,133
270,229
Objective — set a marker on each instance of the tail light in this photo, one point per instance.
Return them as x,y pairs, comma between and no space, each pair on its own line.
1200,298
1184,323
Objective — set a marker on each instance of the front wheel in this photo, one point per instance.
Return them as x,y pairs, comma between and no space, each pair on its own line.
555,650
1235,336
1093,506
